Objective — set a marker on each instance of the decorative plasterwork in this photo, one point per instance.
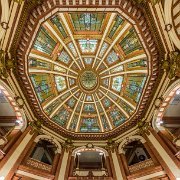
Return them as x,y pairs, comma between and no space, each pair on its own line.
130,12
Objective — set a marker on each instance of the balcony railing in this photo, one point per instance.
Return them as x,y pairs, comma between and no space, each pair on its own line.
90,173
37,164
141,165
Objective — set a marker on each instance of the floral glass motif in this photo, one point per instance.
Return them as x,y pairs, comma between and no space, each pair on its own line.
87,21
88,45
135,86
42,85
71,102
58,68
117,22
103,49
64,57
89,125
117,83
89,108
56,21
44,42
88,60
36,63
62,117
72,48
112,57
60,83
117,117
137,63
131,42
106,102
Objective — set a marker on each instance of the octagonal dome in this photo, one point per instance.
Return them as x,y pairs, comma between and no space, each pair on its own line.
88,70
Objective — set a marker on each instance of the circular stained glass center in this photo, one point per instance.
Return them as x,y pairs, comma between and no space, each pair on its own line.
88,79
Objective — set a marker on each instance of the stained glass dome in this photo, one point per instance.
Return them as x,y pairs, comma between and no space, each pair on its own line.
88,70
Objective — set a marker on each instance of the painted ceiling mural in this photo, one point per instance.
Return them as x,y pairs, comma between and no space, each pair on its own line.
88,70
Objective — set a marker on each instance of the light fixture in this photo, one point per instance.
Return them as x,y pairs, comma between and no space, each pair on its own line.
178,92
78,153
2,178
101,153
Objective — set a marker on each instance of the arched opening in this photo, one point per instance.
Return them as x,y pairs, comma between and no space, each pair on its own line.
135,152
167,118
90,162
12,119
44,152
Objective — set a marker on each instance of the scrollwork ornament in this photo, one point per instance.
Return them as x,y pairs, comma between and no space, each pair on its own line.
6,64
68,145
143,127
36,125
171,65
153,2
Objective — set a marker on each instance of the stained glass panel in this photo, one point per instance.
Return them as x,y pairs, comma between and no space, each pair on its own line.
73,124
87,21
117,22
104,123
135,86
137,64
117,83
56,22
72,48
103,49
117,69
58,68
62,117
89,108
88,60
117,117
36,63
64,57
44,42
42,85
88,45
60,83
89,125
112,57
130,42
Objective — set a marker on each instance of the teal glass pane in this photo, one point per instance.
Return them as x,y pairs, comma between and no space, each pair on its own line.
130,42
117,117
44,42
88,60
105,123
103,49
89,108
36,63
137,64
117,83
117,22
112,57
88,46
42,85
89,125
64,57
56,22
87,21
72,48
60,83
73,124
135,86
62,117
52,106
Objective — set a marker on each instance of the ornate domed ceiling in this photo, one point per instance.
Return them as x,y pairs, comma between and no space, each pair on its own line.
88,70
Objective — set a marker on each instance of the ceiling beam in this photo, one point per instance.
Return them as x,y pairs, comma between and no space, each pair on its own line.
61,41
99,117
71,36
114,42
104,36
120,97
124,62
60,95
120,108
126,72
62,103
50,61
109,122
70,119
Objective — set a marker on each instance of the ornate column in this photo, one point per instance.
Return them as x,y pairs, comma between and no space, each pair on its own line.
112,165
68,166
55,162
122,165
17,153
124,162
108,166
71,166
164,156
